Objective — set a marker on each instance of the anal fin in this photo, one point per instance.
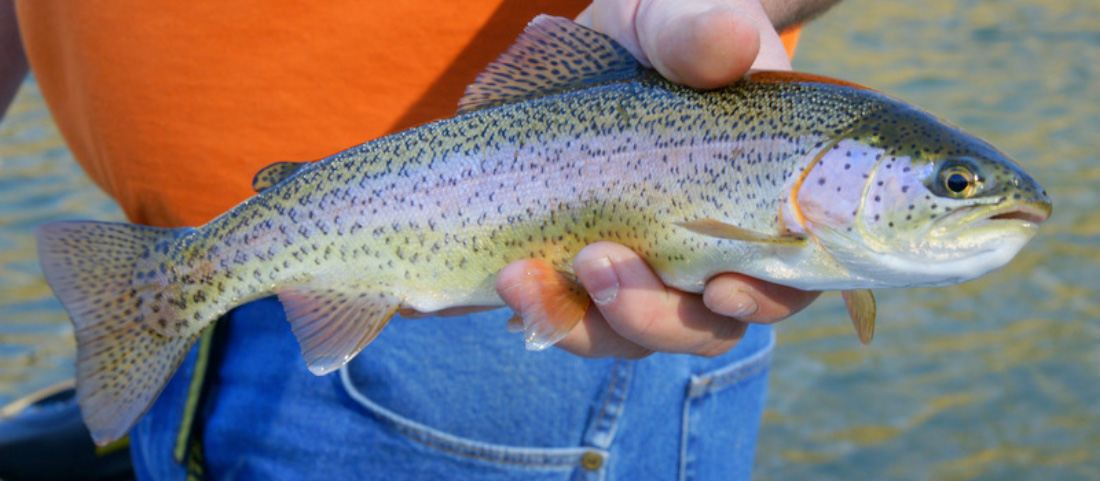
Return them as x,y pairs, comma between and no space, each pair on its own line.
551,304
861,308
334,323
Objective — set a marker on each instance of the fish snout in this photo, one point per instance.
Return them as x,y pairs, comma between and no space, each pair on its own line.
1034,212
1029,202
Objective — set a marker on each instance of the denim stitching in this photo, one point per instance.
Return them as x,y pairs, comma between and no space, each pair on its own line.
468,448
618,372
714,381
492,452
722,378
610,390
747,371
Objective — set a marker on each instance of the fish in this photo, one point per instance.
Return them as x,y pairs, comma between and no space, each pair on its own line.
564,140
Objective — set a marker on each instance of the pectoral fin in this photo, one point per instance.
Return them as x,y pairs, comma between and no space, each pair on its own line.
551,304
716,228
861,308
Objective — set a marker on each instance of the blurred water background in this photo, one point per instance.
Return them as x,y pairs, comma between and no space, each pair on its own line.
998,378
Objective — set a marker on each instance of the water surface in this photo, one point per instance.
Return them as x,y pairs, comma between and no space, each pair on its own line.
998,378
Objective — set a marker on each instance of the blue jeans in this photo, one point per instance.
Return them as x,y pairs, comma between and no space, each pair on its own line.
460,398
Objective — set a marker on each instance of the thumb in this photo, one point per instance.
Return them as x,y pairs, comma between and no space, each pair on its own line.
699,43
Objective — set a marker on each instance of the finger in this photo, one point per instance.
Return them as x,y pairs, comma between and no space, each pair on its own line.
640,308
700,43
615,18
753,300
593,337
772,54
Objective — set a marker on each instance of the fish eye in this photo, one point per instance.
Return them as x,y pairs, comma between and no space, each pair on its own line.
957,183
959,179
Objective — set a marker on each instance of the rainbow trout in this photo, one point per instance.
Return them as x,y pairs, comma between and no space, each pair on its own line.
564,141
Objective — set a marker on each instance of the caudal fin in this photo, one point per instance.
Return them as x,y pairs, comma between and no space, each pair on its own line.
99,271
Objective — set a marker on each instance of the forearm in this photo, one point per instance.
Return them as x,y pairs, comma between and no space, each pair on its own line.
787,13
13,62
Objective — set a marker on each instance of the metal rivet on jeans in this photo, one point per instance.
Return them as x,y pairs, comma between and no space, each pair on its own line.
591,461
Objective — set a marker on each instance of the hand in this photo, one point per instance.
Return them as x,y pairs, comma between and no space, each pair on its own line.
703,44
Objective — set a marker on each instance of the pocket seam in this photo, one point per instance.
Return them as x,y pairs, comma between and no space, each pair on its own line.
725,376
465,447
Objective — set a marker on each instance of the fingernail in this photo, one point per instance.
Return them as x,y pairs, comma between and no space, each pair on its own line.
599,279
738,305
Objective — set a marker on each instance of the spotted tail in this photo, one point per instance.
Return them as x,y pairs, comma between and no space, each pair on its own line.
98,270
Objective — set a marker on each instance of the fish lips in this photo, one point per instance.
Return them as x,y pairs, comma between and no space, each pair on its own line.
1033,213
1005,219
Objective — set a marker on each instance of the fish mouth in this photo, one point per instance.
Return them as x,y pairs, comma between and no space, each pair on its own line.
1032,213
1025,216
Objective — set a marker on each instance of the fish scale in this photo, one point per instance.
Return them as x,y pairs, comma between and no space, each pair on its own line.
550,155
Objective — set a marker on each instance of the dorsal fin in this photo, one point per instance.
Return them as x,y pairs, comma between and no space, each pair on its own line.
553,55
775,76
275,173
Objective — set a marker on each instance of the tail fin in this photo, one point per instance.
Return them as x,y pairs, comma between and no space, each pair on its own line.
122,362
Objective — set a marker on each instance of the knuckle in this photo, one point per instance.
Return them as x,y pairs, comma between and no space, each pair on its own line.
713,297
640,324
727,335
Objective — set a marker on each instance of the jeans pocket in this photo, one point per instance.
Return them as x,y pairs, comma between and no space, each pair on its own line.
721,418
425,452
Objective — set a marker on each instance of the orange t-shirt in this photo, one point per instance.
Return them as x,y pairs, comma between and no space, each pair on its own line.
171,107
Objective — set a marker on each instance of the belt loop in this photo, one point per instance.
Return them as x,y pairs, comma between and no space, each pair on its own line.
188,451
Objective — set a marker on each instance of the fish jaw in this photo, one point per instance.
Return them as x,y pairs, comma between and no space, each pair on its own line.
973,242
938,263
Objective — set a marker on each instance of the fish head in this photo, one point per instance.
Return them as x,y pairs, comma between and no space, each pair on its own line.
905,199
